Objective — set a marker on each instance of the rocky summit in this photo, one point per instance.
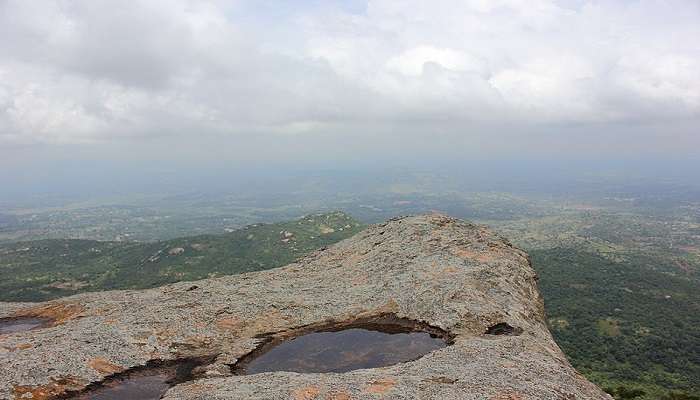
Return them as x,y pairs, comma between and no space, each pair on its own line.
457,282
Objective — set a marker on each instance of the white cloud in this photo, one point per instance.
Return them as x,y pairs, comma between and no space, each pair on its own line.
77,71
412,61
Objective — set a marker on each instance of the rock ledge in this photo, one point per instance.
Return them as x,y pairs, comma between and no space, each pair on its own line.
443,272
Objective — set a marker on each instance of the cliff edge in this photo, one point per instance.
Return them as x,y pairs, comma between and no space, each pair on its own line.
449,275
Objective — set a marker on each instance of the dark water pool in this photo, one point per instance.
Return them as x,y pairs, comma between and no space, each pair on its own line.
21,324
136,388
343,350
145,383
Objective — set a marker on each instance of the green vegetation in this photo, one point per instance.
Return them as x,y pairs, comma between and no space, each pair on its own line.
629,326
46,269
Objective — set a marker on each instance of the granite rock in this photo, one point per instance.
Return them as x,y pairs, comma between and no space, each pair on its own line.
446,273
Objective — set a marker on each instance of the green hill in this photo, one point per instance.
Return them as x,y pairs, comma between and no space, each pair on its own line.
46,269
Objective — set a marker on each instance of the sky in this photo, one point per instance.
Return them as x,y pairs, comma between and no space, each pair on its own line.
262,82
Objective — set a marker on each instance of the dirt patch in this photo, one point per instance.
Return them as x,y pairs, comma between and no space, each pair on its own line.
381,386
306,393
22,324
58,313
103,366
49,391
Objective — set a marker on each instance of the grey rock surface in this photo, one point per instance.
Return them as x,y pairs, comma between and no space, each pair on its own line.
448,273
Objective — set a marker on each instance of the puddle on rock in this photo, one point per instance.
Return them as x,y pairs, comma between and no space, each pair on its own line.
21,324
369,343
142,383
138,387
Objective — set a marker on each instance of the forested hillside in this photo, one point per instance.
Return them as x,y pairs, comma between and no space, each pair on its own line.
629,324
46,269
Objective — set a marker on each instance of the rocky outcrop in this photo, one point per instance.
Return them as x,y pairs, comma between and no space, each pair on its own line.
445,273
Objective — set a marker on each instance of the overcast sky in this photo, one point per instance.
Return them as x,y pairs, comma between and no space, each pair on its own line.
278,80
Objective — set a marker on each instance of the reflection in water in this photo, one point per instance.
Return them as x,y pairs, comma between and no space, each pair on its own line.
135,388
21,324
343,350
145,383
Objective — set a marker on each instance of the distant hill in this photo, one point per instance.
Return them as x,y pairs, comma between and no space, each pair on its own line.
46,269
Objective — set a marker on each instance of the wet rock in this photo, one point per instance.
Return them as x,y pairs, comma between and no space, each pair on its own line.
448,274
21,324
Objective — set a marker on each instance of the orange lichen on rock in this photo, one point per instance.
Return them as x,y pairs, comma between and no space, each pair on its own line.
21,346
306,393
381,386
103,366
480,256
57,387
230,323
391,306
339,395
440,272
58,313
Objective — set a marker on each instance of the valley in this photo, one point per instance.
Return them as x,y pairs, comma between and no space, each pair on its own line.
619,271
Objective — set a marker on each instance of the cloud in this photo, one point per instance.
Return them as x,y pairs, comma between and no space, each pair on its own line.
98,71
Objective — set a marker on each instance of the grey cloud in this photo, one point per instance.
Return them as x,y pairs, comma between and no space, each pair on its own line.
95,71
